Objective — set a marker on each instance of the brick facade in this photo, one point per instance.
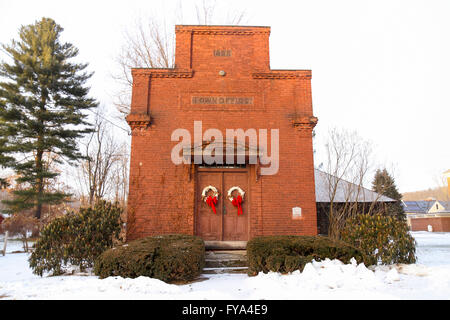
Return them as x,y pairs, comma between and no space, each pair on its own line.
162,195
439,224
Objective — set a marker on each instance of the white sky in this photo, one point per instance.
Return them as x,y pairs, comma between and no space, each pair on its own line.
381,68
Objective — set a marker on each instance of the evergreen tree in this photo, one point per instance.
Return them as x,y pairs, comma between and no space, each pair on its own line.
5,158
384,184
42,97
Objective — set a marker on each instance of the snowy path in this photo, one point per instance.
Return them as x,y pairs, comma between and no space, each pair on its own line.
428,279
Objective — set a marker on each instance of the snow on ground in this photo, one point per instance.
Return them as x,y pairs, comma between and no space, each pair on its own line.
428,279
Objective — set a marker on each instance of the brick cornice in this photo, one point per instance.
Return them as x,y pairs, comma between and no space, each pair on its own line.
162,73
283,75
138,121
305,123
223,30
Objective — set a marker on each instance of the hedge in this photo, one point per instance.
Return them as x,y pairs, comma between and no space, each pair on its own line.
170,258
383,239
289,253
76,239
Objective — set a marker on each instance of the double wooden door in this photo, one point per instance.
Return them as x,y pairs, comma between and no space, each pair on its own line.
226,224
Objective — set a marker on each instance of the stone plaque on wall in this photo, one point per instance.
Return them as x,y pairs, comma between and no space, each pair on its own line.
296,212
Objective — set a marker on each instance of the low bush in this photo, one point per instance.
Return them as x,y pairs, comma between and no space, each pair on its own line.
76,239
169,258
383,239
289,253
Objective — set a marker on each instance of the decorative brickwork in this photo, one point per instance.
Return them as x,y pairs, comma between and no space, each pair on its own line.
283,75
163,73
305,123
138,121
223,30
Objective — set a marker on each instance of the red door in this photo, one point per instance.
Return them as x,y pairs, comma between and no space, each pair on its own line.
226,225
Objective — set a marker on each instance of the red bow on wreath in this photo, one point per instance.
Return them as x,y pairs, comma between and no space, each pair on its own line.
211,201
237,203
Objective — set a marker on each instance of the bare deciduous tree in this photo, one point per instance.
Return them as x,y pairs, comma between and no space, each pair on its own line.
442,190
50,210
21,224
120,176
104,172
147,45
348,160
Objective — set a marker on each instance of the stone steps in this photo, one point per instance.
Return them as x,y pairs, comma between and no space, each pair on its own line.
225,270
225,261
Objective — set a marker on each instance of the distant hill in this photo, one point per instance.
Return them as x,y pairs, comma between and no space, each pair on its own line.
439,193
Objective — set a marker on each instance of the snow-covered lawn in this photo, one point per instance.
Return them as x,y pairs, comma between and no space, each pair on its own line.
428,279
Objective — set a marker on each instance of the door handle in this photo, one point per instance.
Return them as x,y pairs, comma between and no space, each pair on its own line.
224,210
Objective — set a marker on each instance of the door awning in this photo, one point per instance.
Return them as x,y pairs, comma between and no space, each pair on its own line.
220,149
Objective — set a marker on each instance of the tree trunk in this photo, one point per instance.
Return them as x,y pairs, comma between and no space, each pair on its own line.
6,241
39,154
39,184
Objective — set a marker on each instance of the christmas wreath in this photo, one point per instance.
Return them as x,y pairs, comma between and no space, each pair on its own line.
236,201
210,200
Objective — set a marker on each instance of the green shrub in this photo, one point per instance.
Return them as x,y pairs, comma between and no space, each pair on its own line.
168,258
289,253
382,239
76,239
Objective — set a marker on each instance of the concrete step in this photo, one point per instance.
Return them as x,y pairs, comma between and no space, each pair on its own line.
225,270
226,254
225,245
225,261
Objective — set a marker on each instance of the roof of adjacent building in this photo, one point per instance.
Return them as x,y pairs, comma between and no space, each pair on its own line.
346,191
445,204
423,206
417,206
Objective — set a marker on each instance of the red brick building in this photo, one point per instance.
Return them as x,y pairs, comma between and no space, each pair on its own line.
222,78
